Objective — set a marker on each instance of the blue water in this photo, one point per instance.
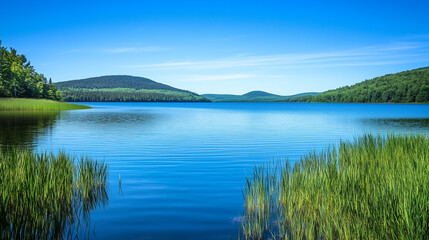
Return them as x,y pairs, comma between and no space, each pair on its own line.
183,165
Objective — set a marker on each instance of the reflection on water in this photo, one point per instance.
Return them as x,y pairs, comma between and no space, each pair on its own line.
396,124
72,221
112,118
21,128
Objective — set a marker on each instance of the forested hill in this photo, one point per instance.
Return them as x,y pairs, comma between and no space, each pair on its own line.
123,88
116,81
403,87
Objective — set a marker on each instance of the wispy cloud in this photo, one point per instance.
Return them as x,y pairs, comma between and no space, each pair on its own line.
197,78
134,49
116,50
370,55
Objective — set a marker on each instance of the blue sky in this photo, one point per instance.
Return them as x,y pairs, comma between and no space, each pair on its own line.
283,47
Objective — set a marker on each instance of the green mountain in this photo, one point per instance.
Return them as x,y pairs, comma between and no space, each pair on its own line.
116,81
254,96
123,88
403,87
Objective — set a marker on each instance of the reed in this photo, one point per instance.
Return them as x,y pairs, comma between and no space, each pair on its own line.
7,104
371,188
47,196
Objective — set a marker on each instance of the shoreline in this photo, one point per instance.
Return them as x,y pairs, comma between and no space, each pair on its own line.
30,104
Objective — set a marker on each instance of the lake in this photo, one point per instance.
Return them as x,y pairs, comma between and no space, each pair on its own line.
182,165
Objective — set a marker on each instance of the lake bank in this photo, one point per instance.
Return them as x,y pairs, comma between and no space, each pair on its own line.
14,104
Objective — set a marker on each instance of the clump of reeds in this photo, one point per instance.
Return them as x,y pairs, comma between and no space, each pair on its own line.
46,196
371,188
7,104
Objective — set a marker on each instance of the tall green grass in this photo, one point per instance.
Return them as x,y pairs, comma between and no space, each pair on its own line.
47,196
371,188
7,104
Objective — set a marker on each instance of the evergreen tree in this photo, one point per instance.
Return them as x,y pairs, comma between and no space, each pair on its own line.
19,79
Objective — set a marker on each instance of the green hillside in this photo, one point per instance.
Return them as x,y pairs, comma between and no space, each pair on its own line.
404,87
123,88
116,81
254,96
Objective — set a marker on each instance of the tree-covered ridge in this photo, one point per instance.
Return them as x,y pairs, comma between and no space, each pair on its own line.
404,87
129,95
18,78
124,88
116,81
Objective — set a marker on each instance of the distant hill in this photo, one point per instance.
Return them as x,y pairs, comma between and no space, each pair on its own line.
403,87
123,88
260,94
254,96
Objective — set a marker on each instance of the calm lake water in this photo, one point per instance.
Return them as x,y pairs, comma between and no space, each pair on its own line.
183,165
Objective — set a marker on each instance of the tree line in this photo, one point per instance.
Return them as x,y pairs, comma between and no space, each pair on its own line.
19,79
404,87
130,95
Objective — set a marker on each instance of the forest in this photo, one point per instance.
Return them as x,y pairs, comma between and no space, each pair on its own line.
403,87
18,79
128,95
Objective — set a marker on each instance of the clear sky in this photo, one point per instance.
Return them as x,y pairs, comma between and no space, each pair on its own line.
283,47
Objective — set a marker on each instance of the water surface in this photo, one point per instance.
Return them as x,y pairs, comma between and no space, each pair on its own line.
183,165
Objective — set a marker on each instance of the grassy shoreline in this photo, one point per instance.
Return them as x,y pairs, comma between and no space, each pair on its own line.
11,104
371,188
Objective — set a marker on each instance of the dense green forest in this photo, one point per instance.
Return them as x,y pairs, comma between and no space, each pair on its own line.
404,87
123,88
128,95
254,96
18,79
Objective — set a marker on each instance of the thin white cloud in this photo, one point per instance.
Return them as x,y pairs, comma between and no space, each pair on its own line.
197,78
134,49
370,55
117,50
